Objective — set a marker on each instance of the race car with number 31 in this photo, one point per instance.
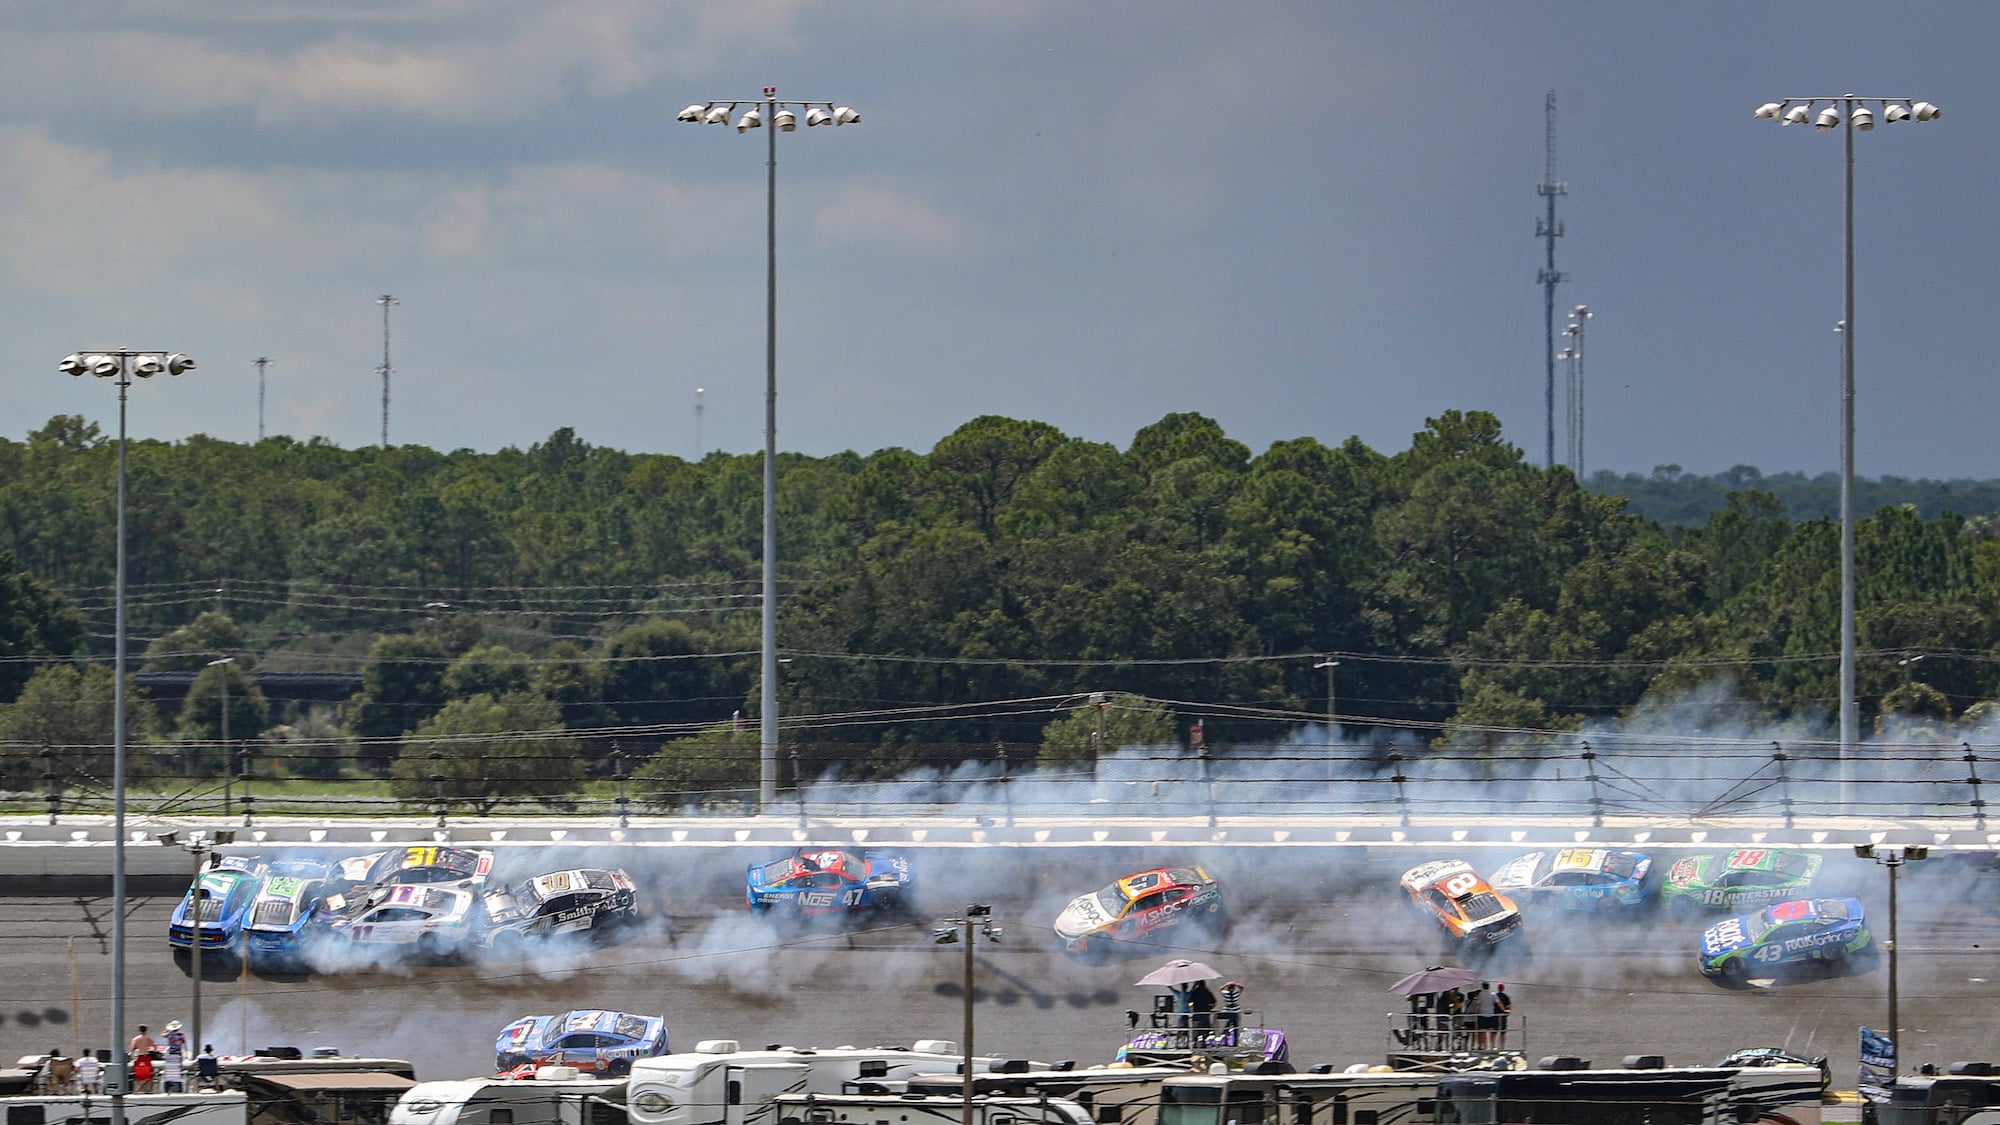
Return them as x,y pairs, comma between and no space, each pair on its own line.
1142,904
1785,933
822,881
1450,892
1738,879
1583,878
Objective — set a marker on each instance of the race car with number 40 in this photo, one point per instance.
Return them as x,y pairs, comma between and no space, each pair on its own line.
1785,933
585,899
1451,893
1140,905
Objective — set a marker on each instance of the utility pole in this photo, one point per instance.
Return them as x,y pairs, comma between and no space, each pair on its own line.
1548,230
697,421
385,300
262,362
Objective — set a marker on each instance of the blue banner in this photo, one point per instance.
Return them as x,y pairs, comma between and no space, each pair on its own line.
1878,1057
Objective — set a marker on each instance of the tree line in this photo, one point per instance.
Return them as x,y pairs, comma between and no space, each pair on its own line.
572,606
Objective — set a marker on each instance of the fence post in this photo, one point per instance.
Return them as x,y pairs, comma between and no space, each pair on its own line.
1006,794
1972,778
1784,782
437,780
1402,792
245,758
49,779
618,775
1596,800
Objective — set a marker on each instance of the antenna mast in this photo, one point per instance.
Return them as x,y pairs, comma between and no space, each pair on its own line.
386,300
1548,230
262,362
697,422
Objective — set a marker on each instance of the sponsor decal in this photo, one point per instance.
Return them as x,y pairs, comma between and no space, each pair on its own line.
1682,872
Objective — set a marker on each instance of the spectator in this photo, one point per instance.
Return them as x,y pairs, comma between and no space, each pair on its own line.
1484,1022
207,1068
177,1040
1201,1001
60,1072
1502,1004
1231,1013
142,1044
142,1074
89,1074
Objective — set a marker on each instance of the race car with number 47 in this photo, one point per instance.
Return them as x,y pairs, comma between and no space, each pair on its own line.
823,881
1140,905
1736,880
1785,933
1451,893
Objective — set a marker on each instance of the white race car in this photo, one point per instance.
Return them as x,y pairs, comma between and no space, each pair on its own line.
434,919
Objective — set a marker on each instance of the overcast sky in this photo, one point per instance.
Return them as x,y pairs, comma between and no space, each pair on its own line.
1309,218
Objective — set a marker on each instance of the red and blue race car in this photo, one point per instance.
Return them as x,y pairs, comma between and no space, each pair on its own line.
592,1040
814,881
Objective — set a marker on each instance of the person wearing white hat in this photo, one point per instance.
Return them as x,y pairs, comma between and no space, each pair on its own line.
177,1040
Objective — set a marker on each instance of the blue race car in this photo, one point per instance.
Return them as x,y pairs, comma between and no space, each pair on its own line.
594,1041
218,904
287,905
816,881
1583,878
1785,933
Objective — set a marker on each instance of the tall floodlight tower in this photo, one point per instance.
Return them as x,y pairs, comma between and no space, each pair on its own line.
1548,230
385,300
697,421
262,362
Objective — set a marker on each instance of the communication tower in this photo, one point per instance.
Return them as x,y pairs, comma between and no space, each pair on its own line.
1548,230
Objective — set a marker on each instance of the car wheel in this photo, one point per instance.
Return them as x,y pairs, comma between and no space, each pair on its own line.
430,947
1736,970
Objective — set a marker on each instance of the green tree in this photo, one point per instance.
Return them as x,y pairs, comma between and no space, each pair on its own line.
35,621
191,647
201,719
1094,729
489,751
402,685
68,708
718,766
495,670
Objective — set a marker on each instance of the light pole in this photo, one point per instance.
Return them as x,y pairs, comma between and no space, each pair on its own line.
1892,858
120,365
783,118
1328,663
978,918
199,844
1855,114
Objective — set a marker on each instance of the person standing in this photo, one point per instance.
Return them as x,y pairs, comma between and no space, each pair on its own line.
89,1073
1484,1022
1201,1001
207,1068
142,1044
177,1040
1502,1005
1231,1013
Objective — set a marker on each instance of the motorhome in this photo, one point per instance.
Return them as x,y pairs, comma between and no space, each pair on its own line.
926,1109
1110,1095
1364,1095
1562,1090
214,1107
719,1083
1967,1093
555,1095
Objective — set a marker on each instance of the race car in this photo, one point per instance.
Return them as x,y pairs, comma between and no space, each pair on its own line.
357,880
287,905
224,894
1142,904
435,919
1734,880
1588,878
817,881
1452,893
594,1041
1785,933
559,902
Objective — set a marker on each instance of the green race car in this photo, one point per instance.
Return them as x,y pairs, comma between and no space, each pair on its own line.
1731,880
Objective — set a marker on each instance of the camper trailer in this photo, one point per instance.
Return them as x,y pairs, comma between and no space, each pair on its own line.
215,1107
556,1095
1110,1095
1372,1094
925,1109
719,1083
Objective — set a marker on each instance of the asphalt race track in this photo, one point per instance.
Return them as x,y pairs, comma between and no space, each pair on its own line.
1315,939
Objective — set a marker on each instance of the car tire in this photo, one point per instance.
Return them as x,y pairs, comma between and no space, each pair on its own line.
430,947
1736,970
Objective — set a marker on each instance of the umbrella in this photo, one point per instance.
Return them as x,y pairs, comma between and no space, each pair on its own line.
1435,979
1180,971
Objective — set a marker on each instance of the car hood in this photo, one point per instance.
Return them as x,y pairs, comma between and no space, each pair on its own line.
1725,936
1519,874
1083,915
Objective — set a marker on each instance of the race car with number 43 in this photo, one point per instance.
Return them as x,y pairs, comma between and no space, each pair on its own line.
822,881
1451,893
1142,904
1785,933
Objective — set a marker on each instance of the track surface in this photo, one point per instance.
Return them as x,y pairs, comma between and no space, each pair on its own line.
1316,941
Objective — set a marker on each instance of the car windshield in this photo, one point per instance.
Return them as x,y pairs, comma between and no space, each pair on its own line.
776,872
1621,864
1111,900
1793,865
1832,909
